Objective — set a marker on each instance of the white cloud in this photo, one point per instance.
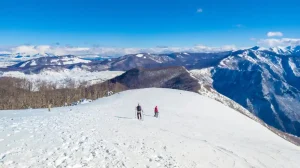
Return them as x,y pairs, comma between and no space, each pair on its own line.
279,42
203,48
25,49
109,51
159,50
44,49
253,39
274,34
199,10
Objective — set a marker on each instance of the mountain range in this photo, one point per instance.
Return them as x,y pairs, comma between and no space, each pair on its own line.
264,81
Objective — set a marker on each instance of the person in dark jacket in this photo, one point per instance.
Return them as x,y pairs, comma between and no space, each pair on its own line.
139,111
156,112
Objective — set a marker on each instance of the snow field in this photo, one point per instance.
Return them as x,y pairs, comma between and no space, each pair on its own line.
192,131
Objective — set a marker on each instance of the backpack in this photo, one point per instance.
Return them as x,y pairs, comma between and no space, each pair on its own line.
138,108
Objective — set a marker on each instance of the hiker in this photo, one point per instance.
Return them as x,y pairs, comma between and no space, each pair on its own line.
139,112
156,112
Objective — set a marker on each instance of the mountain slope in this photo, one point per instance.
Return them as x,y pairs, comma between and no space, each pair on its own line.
188,60
265,83
171,77
193,132
65,78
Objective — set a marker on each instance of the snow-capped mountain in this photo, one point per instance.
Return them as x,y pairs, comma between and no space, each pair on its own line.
124,63
44,59
266,83
290,50
52,61
146,60
49,63
8,59
96,63
193,132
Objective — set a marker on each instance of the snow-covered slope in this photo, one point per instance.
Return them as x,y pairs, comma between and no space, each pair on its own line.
64,77
193,132
206,89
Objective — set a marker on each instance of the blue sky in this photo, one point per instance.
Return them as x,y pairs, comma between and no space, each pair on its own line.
136,23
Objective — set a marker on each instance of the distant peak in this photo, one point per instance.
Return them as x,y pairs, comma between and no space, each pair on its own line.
255,48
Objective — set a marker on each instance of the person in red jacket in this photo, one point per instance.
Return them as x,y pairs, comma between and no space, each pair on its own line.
156,112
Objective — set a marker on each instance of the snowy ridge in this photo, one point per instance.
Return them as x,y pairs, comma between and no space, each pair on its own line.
194,132
280,50
53,61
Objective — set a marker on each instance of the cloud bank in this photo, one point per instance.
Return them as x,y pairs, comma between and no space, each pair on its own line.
47,49
274,34
108,51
